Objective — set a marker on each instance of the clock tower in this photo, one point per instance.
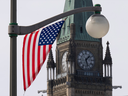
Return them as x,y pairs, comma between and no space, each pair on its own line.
80,69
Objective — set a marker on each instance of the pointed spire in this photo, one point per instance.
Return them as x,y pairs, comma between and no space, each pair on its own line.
50,63
107,59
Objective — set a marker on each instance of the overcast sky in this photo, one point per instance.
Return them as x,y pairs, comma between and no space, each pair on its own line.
32,11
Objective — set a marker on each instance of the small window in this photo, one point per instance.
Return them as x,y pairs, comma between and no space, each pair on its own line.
81,30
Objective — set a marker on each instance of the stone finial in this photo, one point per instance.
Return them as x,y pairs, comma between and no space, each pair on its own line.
107,43
70,56
72,31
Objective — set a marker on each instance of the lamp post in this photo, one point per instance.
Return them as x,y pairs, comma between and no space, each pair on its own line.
13,51
15,30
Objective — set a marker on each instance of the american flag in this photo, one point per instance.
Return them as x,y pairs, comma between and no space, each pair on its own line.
36,47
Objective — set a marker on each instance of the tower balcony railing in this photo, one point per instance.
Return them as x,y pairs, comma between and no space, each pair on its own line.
92,79
59,81
82,79
88,73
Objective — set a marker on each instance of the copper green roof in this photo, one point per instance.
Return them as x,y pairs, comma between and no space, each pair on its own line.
79,20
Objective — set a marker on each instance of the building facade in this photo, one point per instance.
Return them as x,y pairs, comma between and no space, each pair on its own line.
80,69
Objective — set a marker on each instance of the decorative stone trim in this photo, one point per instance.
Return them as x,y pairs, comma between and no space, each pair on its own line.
86,45
92,92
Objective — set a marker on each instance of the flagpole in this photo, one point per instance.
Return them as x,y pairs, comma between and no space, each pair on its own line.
13,51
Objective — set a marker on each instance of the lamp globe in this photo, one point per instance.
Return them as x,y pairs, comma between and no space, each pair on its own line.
97,26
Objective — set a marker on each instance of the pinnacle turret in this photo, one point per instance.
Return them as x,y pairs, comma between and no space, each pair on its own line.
50,63
107,59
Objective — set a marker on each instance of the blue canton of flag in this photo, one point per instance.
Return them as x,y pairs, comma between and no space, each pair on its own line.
48,35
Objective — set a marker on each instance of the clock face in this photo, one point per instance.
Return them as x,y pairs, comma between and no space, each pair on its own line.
85,60
64,64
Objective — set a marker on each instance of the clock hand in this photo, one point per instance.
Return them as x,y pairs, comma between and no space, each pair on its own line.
88,57
86,60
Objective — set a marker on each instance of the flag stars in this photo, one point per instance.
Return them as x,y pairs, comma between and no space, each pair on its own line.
48,34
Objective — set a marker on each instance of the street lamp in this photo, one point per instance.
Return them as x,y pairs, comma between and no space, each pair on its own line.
15,30
97,25
22,30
